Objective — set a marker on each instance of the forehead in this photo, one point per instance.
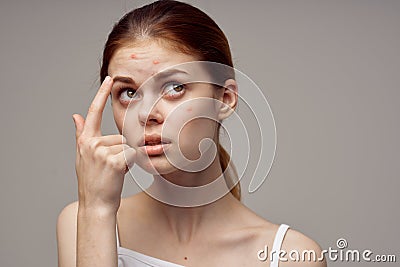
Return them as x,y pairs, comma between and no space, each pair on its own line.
145,59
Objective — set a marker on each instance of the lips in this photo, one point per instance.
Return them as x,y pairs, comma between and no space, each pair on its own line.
153,140
153,144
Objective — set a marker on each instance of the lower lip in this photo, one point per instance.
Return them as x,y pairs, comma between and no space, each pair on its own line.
154,149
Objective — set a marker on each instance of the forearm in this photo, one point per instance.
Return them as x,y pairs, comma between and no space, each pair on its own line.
96,240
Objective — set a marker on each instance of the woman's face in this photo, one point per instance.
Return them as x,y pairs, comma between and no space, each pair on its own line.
162,106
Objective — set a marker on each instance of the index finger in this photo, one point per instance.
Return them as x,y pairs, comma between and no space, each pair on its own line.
95,112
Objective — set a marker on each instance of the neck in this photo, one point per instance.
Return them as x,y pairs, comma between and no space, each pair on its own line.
184,201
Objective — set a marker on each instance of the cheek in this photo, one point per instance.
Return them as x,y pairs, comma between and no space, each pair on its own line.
191,136
127,124
191,114
131,127
195,125
118,118
198,129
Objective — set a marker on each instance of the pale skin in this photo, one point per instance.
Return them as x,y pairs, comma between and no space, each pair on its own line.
223,233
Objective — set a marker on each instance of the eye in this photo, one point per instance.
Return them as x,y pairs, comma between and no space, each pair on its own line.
174,89
127,94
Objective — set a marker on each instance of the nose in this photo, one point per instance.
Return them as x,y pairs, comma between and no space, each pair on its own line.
149,114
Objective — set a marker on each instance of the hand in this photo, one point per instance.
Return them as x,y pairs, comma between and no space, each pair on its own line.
100,160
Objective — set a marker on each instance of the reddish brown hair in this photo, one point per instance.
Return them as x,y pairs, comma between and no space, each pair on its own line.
184,28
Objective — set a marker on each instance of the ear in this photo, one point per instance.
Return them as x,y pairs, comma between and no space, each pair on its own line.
229,99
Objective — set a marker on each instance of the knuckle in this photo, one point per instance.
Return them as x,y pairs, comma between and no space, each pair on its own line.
81,145
113,162
100,152
94,143
117,163
81,140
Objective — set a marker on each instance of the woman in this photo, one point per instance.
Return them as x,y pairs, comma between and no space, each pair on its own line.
147,231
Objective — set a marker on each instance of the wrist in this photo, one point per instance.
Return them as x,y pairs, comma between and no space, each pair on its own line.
96,212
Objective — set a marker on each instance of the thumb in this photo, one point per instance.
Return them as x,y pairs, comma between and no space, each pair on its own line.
79,122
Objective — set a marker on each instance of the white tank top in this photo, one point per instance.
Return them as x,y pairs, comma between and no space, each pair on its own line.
131,258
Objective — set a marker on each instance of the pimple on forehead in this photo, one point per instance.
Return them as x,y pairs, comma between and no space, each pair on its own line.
156,62
133,56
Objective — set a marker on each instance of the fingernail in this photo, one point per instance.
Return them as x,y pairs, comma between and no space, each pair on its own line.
107,79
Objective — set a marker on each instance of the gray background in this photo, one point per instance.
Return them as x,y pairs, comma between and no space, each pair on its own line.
329,69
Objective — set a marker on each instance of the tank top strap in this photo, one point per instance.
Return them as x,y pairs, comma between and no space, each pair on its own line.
116,233
276,247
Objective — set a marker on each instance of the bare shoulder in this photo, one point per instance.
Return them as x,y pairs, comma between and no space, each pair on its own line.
70,210
66,235
66,230
301,250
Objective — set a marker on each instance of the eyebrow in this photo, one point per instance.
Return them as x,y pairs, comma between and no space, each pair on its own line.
169,72
123,79
160,75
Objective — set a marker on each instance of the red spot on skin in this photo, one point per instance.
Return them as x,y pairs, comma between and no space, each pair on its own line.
189,109
156,61
133,56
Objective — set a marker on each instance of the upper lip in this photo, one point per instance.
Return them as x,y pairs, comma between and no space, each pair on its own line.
153,138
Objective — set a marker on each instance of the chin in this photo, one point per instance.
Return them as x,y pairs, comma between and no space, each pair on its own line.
158,165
